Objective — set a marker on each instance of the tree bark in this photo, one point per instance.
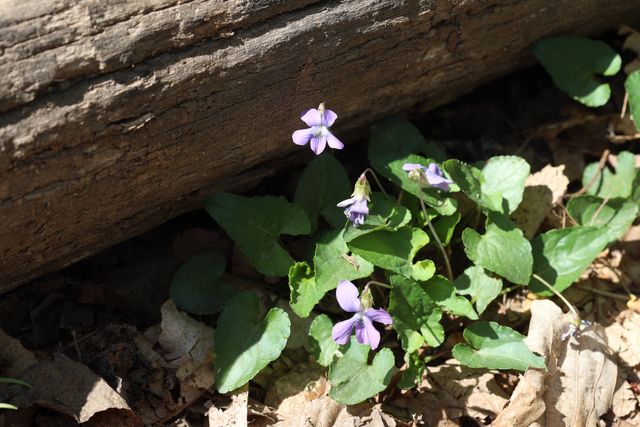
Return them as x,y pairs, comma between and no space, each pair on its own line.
116,116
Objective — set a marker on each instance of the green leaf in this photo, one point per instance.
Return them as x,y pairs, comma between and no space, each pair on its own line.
384,215
632,85
245,344
323,184
477,283
503,249
394,142
196,286
445,227
334,262
416,317
506,175
256,224
353,380
470,181
304,291
615,214
442,291
322,345
561,256
395,250
7,406
610,185
496,347
573,64
412,375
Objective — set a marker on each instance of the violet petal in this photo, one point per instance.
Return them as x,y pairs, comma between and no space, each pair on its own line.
302,136
312,117
341,332
347,295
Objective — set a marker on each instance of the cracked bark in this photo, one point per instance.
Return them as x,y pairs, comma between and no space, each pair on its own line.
117,116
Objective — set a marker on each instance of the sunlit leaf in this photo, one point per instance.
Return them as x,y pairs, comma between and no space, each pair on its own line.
245,344
353,380
495,347
573,64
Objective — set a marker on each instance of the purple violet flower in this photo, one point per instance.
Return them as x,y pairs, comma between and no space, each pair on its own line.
363,318
432,175
318,133
357,206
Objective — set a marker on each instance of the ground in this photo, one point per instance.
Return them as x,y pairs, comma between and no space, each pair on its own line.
95,328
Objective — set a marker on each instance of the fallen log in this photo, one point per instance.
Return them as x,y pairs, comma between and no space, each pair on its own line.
117,116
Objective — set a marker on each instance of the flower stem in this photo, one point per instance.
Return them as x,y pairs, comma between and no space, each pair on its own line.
433,231
373,282
375,177
555,291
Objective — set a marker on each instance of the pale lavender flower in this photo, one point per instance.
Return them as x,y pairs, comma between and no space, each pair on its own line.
357,206
363,318
574,329
432,175
318,133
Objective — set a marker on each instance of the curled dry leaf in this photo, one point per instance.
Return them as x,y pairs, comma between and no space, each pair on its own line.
542,190
578,387
236,414
71,388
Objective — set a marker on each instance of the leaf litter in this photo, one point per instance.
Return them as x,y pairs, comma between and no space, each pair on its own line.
89,365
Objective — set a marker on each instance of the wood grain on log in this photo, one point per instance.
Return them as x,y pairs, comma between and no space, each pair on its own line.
118,115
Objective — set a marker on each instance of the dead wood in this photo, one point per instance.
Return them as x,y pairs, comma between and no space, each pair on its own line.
118,115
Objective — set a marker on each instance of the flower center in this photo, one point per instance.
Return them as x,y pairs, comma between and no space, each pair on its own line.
320,131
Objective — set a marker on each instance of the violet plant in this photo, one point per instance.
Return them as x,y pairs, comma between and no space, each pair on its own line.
386,235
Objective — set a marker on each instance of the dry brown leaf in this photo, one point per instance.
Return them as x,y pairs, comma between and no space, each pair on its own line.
236,414
15,358
624,401
459,386
542,190
581,376
302,399
68,387
622,337
183,338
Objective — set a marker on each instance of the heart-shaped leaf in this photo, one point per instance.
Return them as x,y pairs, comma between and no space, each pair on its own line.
256,223
476,283
496,347
322,345
416,317
196,286
573,63
506,175
502,249
245,344
353,380
560,256
442,291
395,250
470,180
334,262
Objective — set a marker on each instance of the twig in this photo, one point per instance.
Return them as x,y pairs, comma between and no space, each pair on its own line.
603,161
